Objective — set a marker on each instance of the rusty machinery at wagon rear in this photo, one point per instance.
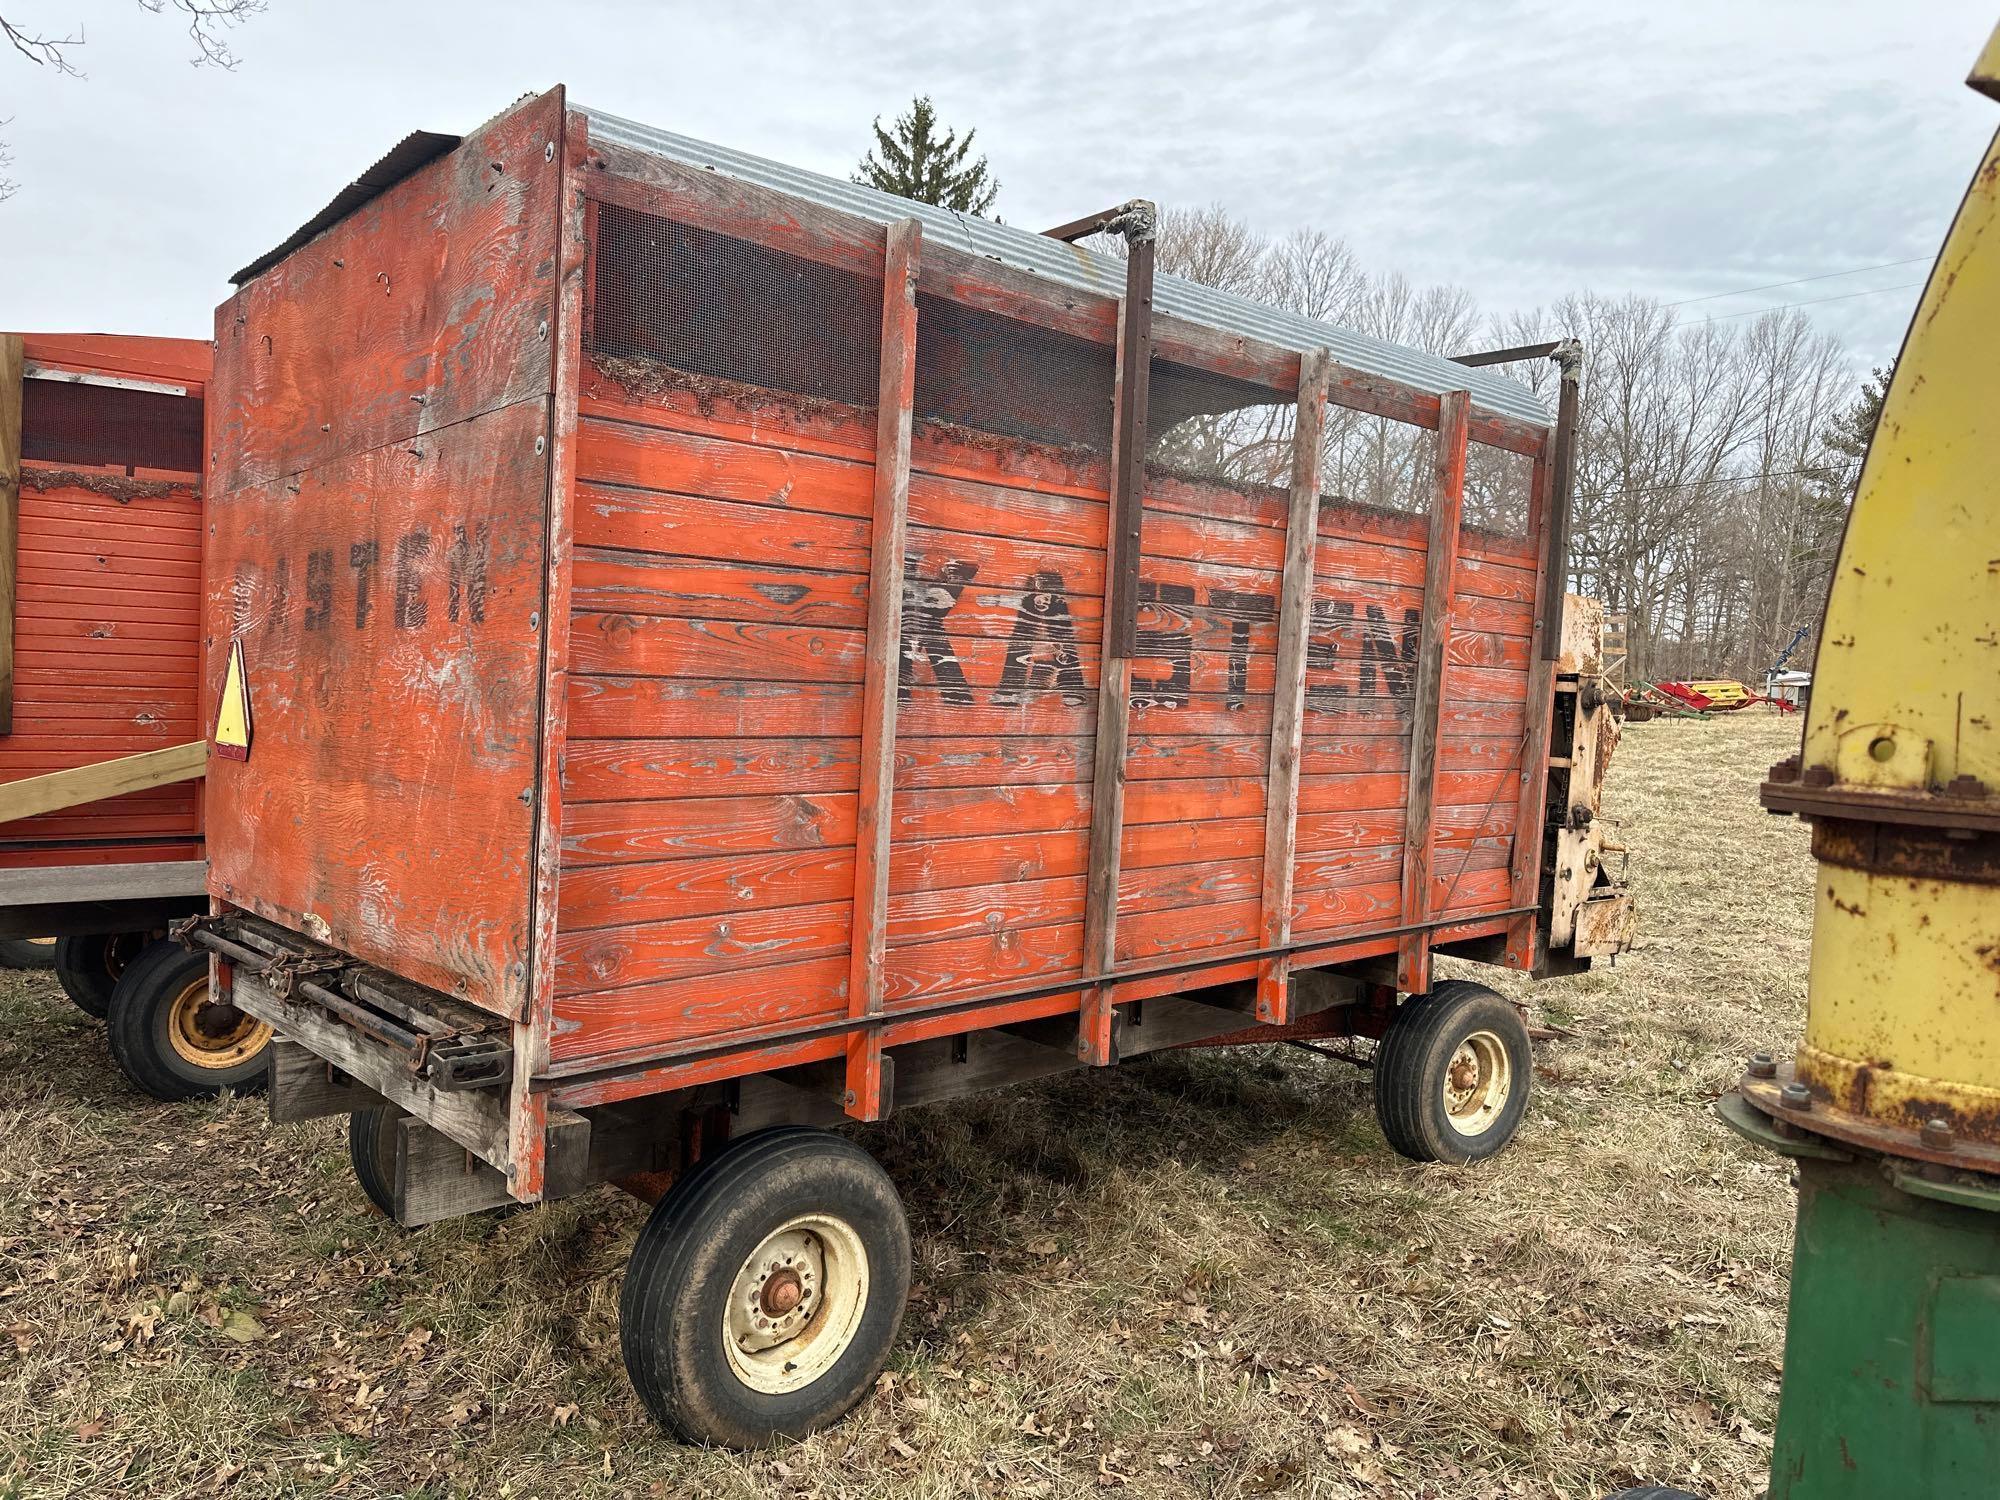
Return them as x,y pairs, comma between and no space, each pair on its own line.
715,651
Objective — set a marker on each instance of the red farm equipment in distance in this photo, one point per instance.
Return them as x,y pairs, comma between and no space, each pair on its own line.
102,748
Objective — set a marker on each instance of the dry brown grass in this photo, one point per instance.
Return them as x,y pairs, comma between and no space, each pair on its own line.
1207,1276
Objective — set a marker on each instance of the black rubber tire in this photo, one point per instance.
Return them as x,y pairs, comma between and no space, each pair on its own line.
701,1234
1653,1492
88,968
141,1014
1411,1065
371,1151
27,953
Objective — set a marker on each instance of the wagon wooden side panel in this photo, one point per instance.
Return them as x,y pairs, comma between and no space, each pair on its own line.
103,560
381,493
712,772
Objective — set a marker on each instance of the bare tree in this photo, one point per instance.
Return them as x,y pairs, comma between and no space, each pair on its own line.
208,25
1714,459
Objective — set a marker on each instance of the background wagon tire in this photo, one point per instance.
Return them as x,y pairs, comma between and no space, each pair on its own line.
764,1293
1452,1074
88,968
371,1150
171,1040
27,953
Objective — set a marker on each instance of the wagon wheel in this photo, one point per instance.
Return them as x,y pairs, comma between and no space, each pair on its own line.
88,968
764,1293
371,1151
173,1038
1452,1074
27,953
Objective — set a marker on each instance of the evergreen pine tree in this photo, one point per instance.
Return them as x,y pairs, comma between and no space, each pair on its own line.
919,160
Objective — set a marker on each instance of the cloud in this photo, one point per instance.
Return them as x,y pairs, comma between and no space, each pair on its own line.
1524,149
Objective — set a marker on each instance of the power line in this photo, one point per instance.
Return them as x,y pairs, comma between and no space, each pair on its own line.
1887,265
1695,484
1809,302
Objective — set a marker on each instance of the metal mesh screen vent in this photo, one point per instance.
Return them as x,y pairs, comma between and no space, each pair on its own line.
102,426
1206,426
995,374
1499,490
714,305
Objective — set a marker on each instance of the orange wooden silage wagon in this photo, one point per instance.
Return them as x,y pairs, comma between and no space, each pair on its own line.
101,740
716,651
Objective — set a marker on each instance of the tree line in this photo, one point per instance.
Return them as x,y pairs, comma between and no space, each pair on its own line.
1715,459
1715,463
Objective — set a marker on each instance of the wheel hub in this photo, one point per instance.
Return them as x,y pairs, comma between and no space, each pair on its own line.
210,1033
783,1292
1478,1082
795,1305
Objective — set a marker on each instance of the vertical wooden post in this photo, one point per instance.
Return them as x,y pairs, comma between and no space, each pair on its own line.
1554,486
10,513
874,824
530,1118
1281,793
1121,610
1413,952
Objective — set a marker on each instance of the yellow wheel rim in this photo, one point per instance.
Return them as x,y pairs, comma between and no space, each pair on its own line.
209,1034
1478,1082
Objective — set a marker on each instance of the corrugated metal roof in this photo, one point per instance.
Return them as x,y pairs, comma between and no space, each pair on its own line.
1087,270
417,149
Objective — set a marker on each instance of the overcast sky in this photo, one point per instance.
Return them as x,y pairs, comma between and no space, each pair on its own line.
1521,148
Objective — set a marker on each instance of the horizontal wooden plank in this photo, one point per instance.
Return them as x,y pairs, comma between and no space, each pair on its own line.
645,487
611,832
638,769
91,783
670,708
794,991
139,880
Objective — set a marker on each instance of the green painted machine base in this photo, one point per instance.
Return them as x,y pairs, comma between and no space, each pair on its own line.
1892,1347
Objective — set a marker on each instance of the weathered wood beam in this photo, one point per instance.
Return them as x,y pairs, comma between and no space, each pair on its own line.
10,514
1413,952
100,779
475,1118
888,541
151,880
1281,798
1554,487
305,1086
1122,546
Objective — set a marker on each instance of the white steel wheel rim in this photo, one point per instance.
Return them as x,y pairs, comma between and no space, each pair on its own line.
1478,1082
796,1304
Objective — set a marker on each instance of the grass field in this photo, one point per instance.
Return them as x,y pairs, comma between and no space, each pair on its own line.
1206,1277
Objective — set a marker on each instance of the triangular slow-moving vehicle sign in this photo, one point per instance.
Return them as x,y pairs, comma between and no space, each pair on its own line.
232,714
